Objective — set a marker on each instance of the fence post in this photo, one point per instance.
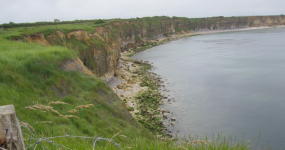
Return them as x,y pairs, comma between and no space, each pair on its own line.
11,130
2,136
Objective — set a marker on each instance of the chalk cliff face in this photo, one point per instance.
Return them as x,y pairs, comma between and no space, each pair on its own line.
100,51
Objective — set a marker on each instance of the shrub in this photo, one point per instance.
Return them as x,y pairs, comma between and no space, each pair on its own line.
137,38
131,109
56,20
177,30
165,34
5,25
98,21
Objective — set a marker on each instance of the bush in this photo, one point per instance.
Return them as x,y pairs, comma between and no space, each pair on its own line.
177,30
166,34
98,21
131,109
5,25
137,38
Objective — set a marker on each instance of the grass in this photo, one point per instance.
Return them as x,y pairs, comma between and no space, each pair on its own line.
65,28
54,102
30,74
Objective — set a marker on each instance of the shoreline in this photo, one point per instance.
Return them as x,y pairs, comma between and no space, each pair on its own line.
128,85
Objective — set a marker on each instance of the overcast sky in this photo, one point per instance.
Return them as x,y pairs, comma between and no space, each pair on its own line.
47,10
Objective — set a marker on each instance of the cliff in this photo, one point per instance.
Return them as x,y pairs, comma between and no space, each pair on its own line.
45,84
99,50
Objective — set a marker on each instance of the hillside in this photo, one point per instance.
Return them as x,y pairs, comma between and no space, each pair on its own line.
55,75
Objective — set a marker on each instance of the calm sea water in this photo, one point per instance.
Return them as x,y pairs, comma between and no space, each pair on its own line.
231,82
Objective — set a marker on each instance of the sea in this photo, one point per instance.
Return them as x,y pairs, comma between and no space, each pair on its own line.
230,84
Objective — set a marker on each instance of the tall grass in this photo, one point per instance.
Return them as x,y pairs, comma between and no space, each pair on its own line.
30,74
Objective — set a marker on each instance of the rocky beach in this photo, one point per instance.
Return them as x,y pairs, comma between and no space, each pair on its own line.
133,79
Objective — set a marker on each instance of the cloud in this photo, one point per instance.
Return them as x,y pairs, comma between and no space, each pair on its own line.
47,10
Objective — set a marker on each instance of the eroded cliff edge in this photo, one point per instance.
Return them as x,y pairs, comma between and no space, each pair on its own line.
99,50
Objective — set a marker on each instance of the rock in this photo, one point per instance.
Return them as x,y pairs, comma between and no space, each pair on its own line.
158,109
159,136
117,73
165,115
160,103
173,118
123,76
122,95
172,123
149,113
119,86
169,100
165,111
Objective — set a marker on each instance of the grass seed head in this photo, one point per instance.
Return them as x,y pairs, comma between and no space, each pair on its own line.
84,106
30,107
57,102
182,147
26,125
69,116
74,111
44,122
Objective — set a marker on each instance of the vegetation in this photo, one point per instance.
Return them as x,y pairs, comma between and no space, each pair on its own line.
137,38
55,102
30,75
99,21
12,24
177,30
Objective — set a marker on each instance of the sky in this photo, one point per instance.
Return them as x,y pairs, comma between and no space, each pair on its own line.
19,11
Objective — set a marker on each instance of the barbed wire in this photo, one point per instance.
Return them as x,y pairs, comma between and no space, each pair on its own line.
37,141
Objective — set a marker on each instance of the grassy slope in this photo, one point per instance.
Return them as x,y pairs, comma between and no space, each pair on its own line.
30,74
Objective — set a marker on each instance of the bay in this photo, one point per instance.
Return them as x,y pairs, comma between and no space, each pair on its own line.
231,82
